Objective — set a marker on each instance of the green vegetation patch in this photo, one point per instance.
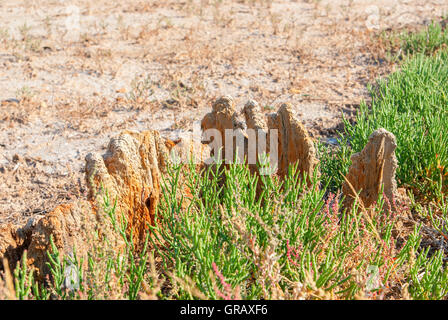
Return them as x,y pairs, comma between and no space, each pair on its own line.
219,240
412,103
427,41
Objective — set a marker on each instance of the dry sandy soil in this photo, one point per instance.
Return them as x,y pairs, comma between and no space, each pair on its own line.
75,73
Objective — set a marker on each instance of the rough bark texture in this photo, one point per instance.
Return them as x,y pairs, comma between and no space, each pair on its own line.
372,168
10,243
14,240
294,143
256,121
254,116
70,225
224,117
130,171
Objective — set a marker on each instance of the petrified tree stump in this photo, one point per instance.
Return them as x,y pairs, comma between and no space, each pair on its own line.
71,226
222,118
130,172
294,143
291,143
371,169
